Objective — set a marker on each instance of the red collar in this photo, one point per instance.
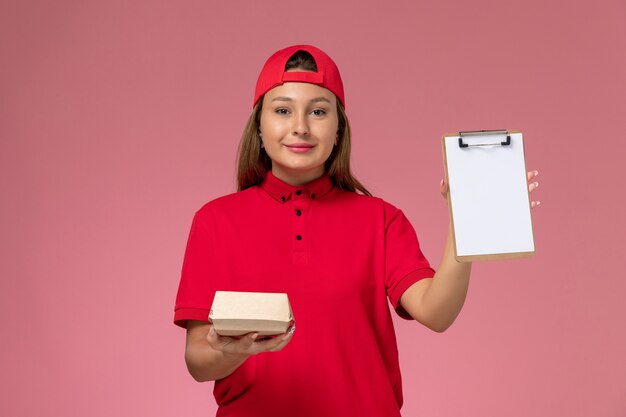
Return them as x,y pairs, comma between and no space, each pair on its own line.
281,191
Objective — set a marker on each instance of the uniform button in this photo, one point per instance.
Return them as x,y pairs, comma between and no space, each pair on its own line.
298,192
313,196
282,198
298,237
298,212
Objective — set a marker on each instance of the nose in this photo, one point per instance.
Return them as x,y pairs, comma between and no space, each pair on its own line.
300,126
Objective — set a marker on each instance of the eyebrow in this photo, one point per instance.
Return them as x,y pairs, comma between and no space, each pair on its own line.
315,100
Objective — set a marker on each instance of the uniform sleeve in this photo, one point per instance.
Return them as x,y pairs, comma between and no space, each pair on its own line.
195,290
405,264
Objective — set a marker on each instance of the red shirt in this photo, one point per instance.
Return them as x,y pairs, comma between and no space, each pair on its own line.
339,256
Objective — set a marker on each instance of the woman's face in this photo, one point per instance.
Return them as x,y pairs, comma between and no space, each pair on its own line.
299,125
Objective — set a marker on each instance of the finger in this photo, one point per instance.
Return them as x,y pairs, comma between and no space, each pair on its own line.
225,343
443,188
268,344
212,335
531,174
284,341
532,186
534,204
276,343
218,342
244,344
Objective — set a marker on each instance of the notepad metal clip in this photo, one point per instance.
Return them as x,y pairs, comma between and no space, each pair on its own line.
470,133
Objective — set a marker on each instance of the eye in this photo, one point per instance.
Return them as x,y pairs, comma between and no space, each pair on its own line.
282,111
319,112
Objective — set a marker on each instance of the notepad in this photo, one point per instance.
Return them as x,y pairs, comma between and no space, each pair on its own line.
488,198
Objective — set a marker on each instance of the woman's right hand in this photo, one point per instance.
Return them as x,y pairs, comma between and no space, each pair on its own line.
248,344
210,356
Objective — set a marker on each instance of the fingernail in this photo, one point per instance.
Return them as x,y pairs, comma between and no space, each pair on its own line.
441,182
538,202
254,336
536,184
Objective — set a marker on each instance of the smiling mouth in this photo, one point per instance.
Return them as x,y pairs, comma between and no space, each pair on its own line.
300,146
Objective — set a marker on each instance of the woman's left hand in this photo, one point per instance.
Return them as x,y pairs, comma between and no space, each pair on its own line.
532,184
530,177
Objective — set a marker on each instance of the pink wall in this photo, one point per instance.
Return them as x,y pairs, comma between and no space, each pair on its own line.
119,119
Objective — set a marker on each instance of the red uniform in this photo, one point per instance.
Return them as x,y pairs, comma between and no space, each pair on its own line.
339,256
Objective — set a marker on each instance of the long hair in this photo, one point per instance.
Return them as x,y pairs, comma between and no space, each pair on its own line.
253,163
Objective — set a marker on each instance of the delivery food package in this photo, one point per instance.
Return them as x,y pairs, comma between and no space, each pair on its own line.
236,313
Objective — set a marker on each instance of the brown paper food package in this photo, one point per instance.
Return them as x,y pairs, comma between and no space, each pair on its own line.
237,313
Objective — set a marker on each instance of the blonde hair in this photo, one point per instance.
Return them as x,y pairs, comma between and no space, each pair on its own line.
253,163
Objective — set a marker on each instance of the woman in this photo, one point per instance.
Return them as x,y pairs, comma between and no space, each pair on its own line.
299,225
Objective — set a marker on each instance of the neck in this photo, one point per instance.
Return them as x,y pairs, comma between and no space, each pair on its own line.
296,177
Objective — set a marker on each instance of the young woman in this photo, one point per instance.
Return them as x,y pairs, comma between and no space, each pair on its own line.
303,225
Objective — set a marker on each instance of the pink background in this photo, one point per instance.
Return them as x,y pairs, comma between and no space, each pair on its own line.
119,119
